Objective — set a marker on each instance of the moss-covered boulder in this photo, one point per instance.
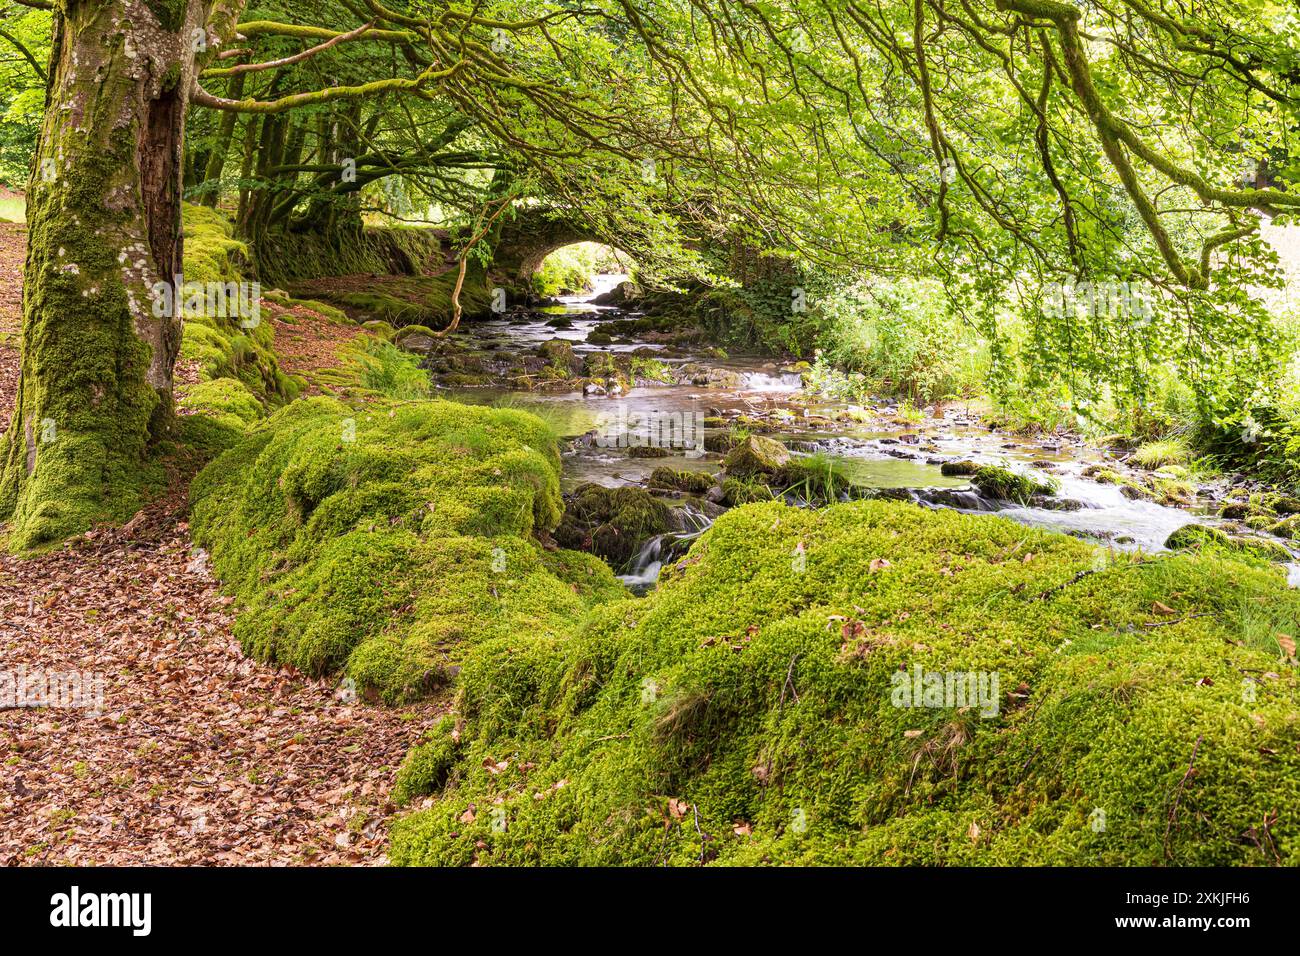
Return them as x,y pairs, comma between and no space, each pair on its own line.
557,352
384,540
959,469
1198,536
789,696
1288,527
756,455
1007,485
612,522
380,329
416,338
744,491
648,451
228,400
690,482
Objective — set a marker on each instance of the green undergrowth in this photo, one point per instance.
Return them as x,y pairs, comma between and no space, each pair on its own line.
372,367
745,713
386,540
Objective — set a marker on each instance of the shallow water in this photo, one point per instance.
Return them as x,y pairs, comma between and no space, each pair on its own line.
881,453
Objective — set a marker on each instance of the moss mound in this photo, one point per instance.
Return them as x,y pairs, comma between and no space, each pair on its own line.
239,351
749,711
384,540
1198,537
1007,485
690,482
612,522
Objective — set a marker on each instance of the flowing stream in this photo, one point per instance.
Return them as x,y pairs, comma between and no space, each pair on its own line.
874,445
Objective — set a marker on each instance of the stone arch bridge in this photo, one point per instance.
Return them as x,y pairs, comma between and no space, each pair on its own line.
532,234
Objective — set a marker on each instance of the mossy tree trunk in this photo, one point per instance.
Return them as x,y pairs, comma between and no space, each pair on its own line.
104,206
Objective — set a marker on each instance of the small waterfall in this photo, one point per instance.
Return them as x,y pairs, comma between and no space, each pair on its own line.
763,382
959,498
643,570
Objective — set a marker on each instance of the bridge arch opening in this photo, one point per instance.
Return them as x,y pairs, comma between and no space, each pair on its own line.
580,271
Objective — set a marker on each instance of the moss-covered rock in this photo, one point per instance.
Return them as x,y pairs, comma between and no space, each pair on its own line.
959,469
1007,485
241,348
648,451
691,482
226,399
415,338
756,455
752,710
1288,527
612,522
744,491
380,329
557,352
384,540
1197,537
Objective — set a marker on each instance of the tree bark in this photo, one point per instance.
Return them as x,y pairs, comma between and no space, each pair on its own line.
104,208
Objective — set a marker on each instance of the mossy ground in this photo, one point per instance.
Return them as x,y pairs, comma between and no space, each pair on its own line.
402,300
384,540
749,700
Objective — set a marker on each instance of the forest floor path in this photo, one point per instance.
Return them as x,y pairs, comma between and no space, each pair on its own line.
197,754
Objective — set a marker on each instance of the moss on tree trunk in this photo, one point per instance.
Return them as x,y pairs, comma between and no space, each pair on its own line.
95,393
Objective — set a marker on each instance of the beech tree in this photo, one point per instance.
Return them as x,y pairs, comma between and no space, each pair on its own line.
103,211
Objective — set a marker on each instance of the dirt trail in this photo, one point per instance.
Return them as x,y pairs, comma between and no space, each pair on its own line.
307,342
198,755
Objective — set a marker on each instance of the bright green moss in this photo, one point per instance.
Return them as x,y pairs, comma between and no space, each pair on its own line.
384,540
212,254
230,346
755,687
426,767
1007,485
226,399
1197,537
